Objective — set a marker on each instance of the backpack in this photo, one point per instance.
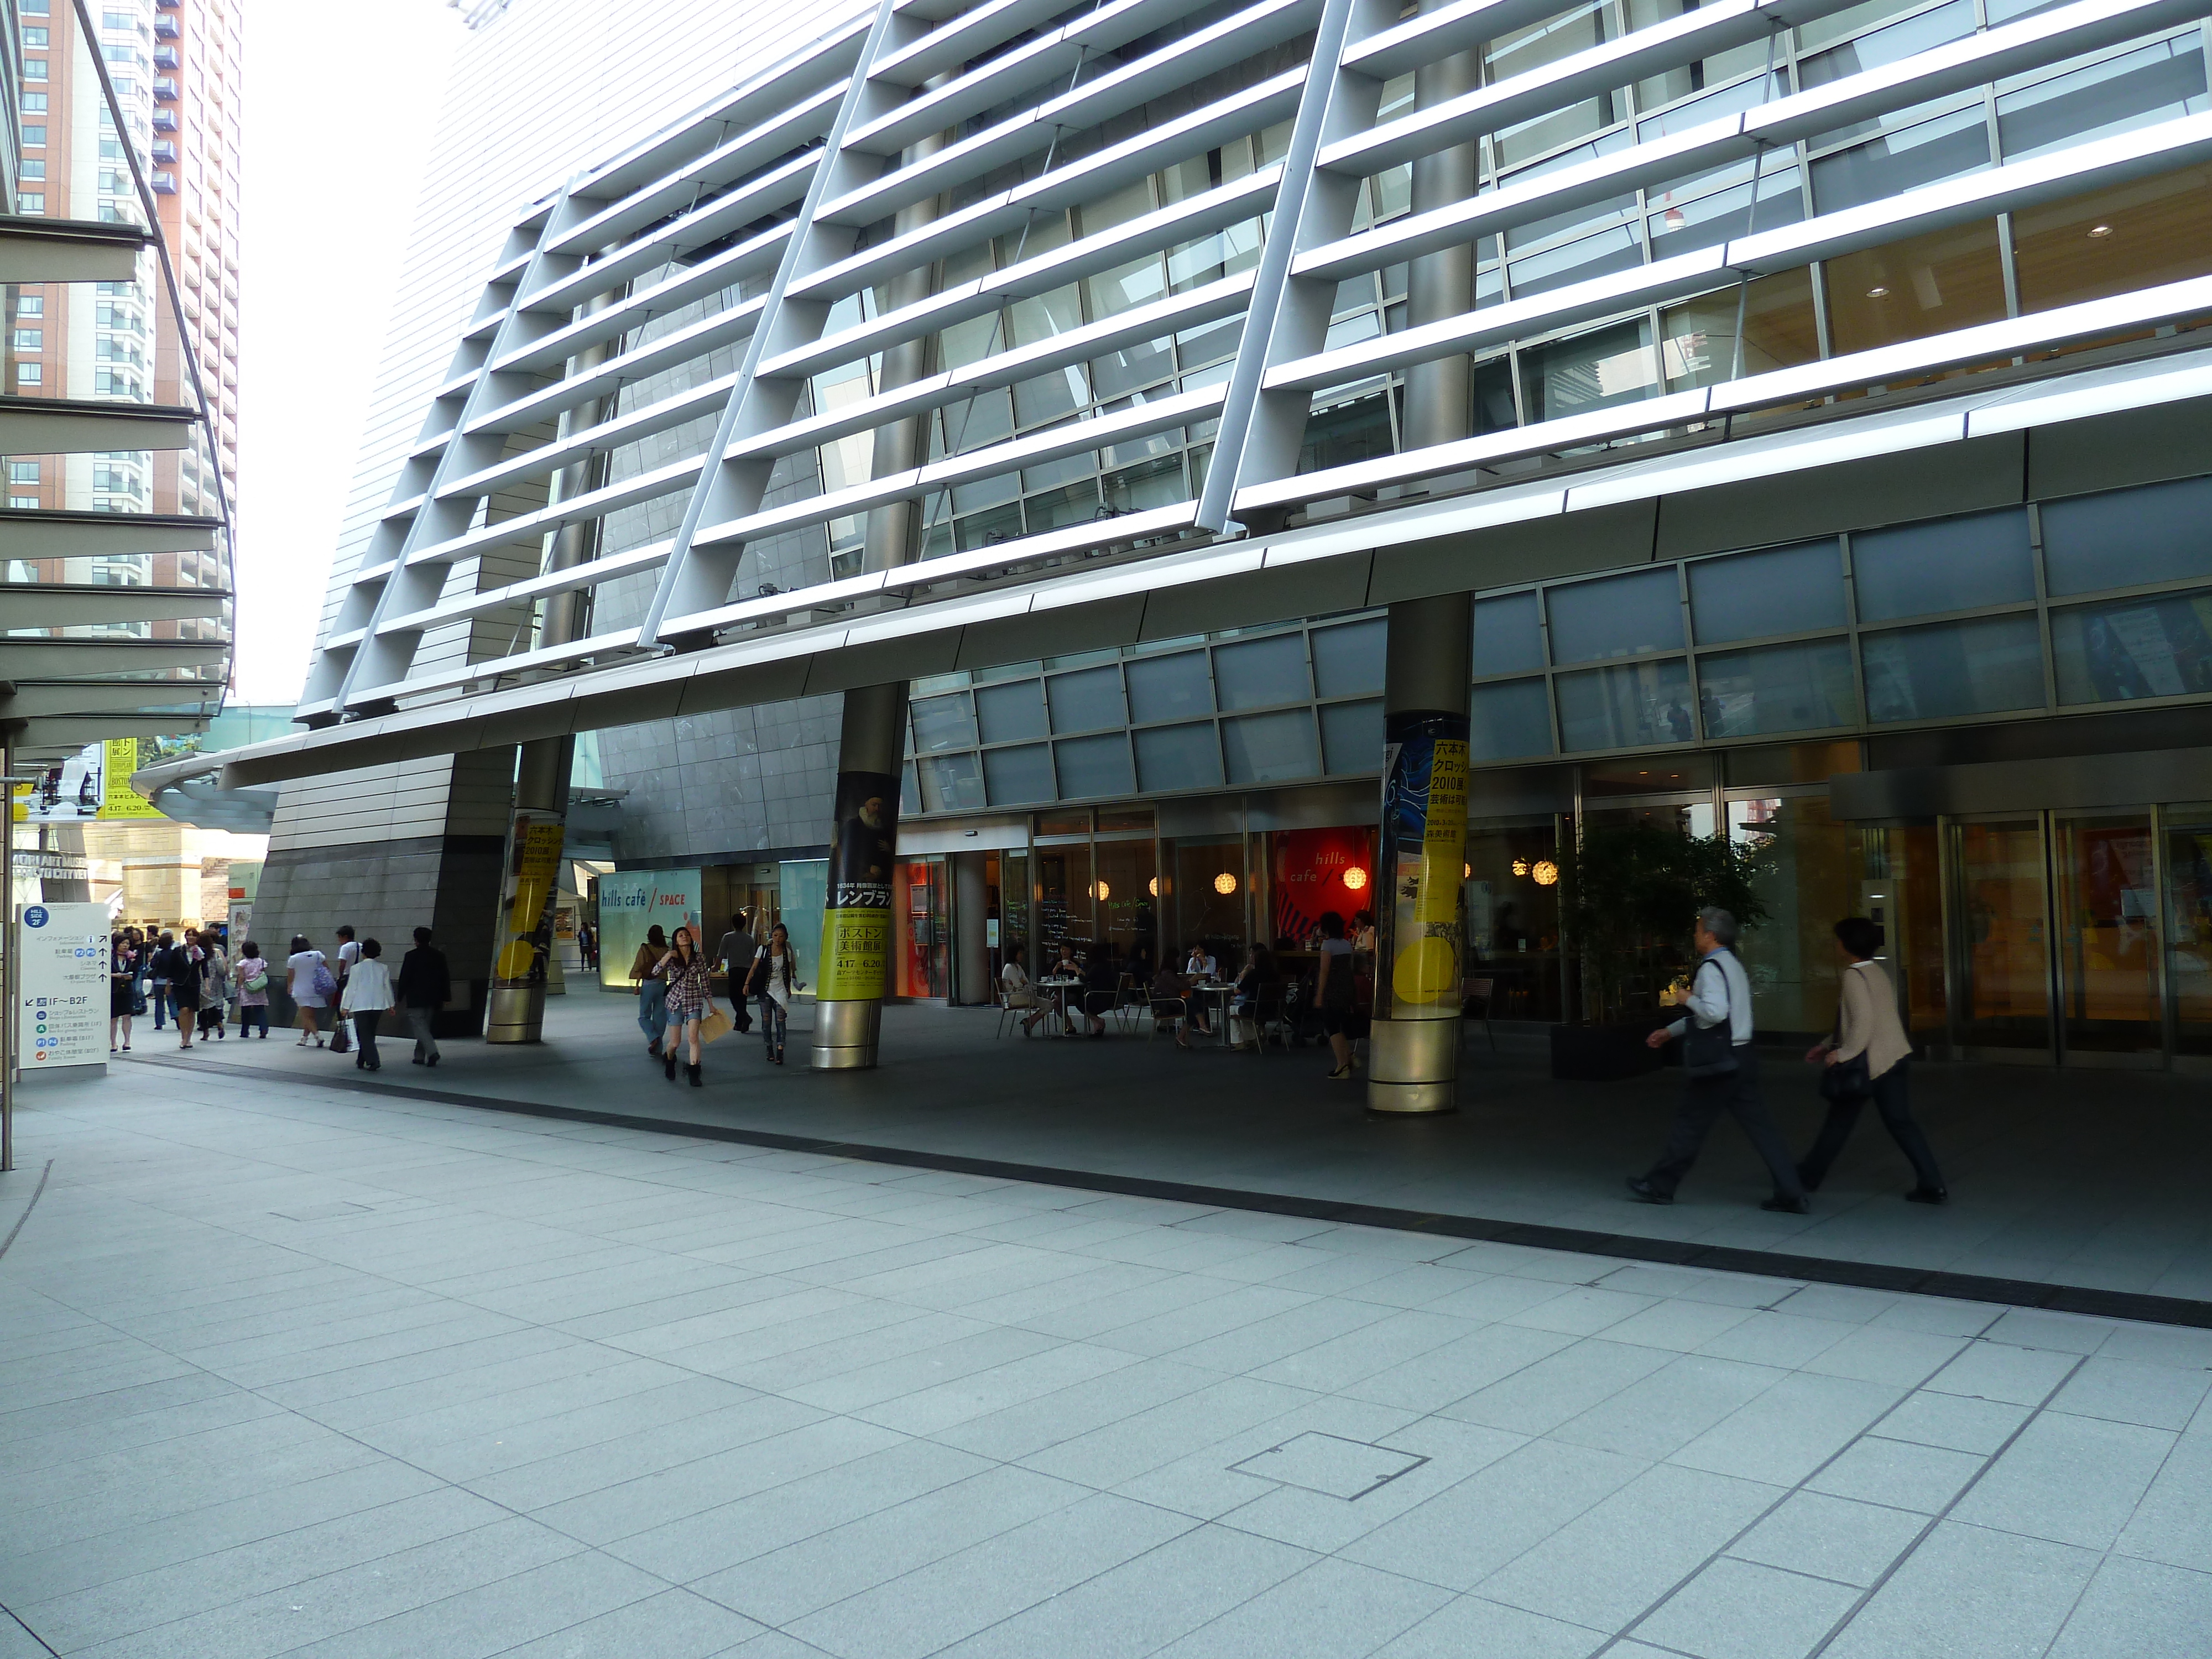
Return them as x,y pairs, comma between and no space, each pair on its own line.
325,986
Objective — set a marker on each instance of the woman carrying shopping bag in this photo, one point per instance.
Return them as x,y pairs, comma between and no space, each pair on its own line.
251,978
652,989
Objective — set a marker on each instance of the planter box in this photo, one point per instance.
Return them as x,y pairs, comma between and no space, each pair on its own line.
1602,1054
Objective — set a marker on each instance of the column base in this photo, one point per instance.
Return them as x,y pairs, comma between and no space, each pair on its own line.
515,1013
1413,1065
845,1036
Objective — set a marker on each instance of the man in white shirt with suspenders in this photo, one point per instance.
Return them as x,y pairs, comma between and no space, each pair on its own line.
1719,990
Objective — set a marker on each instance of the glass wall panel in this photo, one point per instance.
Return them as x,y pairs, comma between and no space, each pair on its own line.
1087,701
1944,148
1779,331
1513,916
1621,616
1508,635
1908,290
1253,673
1207,895
2188,926
1010,713
1357,429
2159,82
1956,668
1014,904
1066,909
1609,366
1778,688
1094,766
1782,590
2159,533
1351,737
2112,242
1949,564
1904,894
1016,777
1889,46
1811,880
2129,649
2003,943
2108,935
1512,720
1178,758
943,723
948,782
1125,912
1170,687
1347,661
1271,747
1626,707
1725,214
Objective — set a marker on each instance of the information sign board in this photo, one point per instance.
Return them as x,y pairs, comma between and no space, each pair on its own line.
62,1019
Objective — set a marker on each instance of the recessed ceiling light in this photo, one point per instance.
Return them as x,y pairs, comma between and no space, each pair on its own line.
2100,230
1877,292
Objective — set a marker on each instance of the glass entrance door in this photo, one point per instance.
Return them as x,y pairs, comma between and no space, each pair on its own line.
2108,948
2189,926
2002,939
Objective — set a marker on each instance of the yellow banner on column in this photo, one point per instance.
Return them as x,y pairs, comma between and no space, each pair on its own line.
855,955
536,868
1424,973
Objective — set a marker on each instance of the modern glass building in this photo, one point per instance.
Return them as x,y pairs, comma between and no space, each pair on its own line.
1798,405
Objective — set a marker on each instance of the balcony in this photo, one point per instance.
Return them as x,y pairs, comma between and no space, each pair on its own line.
165,150
165,120
166,58
167,28
165,88
165,182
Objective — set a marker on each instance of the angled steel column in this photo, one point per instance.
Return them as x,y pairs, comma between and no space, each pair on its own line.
694,578
855,973
516,1009
1420,924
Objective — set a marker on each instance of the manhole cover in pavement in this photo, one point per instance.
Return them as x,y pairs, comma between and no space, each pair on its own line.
1330,1463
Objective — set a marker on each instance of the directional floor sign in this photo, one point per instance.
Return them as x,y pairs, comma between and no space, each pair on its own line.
63,1016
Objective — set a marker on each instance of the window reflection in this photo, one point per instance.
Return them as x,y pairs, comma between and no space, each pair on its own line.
1778,688
2130,648
1923,285
1984,667
1626,707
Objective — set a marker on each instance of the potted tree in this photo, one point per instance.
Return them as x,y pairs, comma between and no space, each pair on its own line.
1628,893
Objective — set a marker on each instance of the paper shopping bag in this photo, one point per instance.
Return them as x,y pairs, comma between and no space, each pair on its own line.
716,1025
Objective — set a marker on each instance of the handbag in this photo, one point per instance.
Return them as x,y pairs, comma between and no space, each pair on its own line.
326,987
1709,1050
1847,1080
257,984
715,1024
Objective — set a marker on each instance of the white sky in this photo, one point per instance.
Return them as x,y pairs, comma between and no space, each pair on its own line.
341,101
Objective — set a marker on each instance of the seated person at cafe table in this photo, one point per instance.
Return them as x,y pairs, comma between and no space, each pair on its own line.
1064,981
1201,965
1021,990
1102,988
1259,969
1170,987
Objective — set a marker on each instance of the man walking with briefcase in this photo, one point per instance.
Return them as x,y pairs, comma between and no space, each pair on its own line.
1722,1068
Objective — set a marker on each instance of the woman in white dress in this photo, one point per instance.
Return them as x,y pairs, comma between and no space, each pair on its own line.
300,968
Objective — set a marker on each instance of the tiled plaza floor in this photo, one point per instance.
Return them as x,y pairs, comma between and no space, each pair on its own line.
289,1370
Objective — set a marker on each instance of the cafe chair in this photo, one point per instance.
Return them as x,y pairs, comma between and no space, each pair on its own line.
1270,1012
1168,1012
1006,1011
1129,1001
1474,991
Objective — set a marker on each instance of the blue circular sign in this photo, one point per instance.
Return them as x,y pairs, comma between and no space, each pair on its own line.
35,916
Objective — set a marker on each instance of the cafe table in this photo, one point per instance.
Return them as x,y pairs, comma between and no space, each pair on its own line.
1059,986
1218,990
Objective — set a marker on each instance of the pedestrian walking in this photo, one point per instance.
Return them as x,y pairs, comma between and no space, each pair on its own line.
683,972
157,976
1722,1071
184,961
736,953
308,978
123,998
1867,1057
216,979
425,985
652,989
1334,994
774,979
366,994
251,976
348,954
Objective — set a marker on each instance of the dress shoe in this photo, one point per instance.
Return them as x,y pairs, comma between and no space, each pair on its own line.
1784,1205
1646,1193
1929,1195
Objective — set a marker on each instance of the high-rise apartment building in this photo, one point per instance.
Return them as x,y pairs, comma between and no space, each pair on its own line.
176,67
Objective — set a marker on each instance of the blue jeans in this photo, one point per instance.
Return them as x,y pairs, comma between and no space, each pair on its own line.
158,994
249,1017
653,1009
774,1017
